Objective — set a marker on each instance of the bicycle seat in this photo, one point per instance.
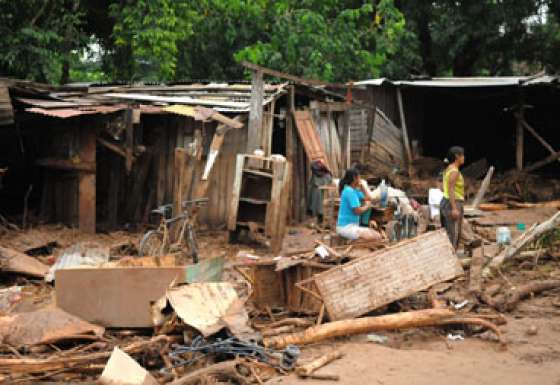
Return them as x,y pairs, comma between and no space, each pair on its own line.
164,210
194,202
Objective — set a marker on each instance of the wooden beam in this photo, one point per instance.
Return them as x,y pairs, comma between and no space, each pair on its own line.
129,127
66,164
549,159
538,137
255,112
87,182
483,187
519,139
179,166
293,78
404,129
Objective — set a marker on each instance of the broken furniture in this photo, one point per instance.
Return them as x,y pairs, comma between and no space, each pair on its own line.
260,197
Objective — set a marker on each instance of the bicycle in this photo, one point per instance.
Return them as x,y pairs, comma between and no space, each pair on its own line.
162,241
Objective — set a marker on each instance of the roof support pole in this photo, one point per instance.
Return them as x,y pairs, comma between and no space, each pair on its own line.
406,142
255,112
87,182
519,137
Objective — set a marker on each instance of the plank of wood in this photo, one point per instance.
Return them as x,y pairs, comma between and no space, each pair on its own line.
549,159
129,128
519,141
179,165
160,154
406,141
387,275
87,182
483,187
234,203
539,138
113,192
255,112
66,164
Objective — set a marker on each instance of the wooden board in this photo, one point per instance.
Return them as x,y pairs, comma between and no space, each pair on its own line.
87,182
512,217
309,136
387,275
114,297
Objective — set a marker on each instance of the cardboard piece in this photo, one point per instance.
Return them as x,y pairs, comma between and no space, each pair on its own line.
121,369
47,325
123,296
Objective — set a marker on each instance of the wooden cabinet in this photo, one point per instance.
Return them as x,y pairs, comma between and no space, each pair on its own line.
260,197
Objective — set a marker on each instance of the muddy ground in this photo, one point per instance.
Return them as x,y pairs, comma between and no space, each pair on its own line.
417,356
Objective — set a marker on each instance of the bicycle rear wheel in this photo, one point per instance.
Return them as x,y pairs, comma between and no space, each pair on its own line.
152,244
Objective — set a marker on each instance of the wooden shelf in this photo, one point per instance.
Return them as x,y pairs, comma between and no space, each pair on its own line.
257,172
254,201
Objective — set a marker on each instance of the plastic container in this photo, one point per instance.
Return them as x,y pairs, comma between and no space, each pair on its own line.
384,192
503,236
521,226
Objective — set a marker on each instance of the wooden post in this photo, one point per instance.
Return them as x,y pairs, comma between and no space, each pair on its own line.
539,138
346,140
404,129
87,180
519,139
179,165
113,191
129,126
255,112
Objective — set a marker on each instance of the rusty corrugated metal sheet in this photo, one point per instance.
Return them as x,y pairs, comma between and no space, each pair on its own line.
6,109
309,136
72,112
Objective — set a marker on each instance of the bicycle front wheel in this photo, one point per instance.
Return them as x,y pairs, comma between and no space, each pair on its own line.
152,244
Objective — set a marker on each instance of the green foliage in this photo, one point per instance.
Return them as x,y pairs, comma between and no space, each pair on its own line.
328,41
333,40
37,37
150,30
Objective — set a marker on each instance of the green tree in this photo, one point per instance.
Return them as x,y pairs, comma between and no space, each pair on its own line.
39,38
330,40
146,33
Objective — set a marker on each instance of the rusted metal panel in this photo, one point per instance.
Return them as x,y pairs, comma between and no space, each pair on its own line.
309,136
47,325
6,109
388,275
114,297
72,112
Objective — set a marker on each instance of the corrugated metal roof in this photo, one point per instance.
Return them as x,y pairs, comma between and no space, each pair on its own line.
457,82
72,112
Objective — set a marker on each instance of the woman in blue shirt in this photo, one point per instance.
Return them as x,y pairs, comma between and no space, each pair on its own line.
352,205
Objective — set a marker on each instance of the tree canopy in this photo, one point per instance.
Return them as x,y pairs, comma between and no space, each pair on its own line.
63,41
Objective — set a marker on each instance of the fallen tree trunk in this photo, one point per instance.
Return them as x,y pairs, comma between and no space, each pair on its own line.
308,369
359,326
512,298
406,320
526,238
227,370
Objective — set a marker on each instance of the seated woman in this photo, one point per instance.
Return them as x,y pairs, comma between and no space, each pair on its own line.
352,205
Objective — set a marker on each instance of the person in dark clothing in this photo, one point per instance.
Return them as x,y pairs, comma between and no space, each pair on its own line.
320,176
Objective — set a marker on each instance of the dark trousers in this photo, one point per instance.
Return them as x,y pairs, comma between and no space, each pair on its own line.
452,226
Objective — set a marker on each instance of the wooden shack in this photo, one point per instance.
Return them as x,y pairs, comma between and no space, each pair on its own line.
102,157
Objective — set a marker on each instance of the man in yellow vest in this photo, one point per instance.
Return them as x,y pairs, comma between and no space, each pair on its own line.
451,206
